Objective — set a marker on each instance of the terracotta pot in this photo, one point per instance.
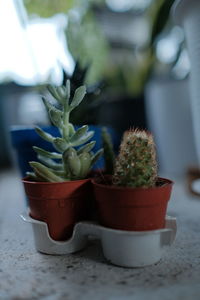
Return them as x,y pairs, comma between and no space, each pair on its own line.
59,204
135,209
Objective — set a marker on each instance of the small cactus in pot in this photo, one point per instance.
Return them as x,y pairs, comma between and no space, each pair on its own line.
136,164
135,193
59,188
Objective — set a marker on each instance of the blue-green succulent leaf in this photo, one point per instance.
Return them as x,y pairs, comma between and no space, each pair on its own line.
47,104
62,92
45,172
60,144
71,129
53,91
79,134
56,116
50,163
33,176
68,87
78,97
86,148
46,136
85,160
83,139
47,153
73,162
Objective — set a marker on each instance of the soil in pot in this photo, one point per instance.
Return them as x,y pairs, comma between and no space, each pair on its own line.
135,209
59,204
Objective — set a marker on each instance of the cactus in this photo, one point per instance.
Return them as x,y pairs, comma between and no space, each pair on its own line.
73,158
136,163
109,155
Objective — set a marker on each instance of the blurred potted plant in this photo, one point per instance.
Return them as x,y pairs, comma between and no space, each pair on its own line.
59,188
186,14
86,41
92,56
135,193
167,97
129,77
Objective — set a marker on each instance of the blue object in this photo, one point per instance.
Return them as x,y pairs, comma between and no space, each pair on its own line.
23,139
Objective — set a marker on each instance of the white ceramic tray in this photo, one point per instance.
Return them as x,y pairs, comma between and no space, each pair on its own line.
122,248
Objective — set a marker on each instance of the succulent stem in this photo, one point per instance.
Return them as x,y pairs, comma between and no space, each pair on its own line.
66,123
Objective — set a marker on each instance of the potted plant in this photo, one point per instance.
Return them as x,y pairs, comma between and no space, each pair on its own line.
134,198
187,15
167,98
129,70
59,189
24,138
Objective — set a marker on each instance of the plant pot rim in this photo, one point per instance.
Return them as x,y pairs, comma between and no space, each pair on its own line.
179,8
26,180
121,188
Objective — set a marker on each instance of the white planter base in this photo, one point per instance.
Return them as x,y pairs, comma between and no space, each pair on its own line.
122,248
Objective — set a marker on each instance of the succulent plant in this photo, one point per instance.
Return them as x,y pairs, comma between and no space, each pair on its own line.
109,155
73,158
136,164
85,111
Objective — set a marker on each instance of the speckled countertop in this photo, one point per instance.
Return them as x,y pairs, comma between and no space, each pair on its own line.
26,274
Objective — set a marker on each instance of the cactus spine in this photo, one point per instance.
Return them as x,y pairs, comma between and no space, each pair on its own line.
74,158
109,155
136,163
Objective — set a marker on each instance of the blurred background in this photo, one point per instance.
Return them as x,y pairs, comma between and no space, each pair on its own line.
130,55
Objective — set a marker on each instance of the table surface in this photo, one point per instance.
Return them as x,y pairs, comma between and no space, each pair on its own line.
27,274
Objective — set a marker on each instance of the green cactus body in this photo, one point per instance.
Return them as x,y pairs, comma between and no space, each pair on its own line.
71,163
136,164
